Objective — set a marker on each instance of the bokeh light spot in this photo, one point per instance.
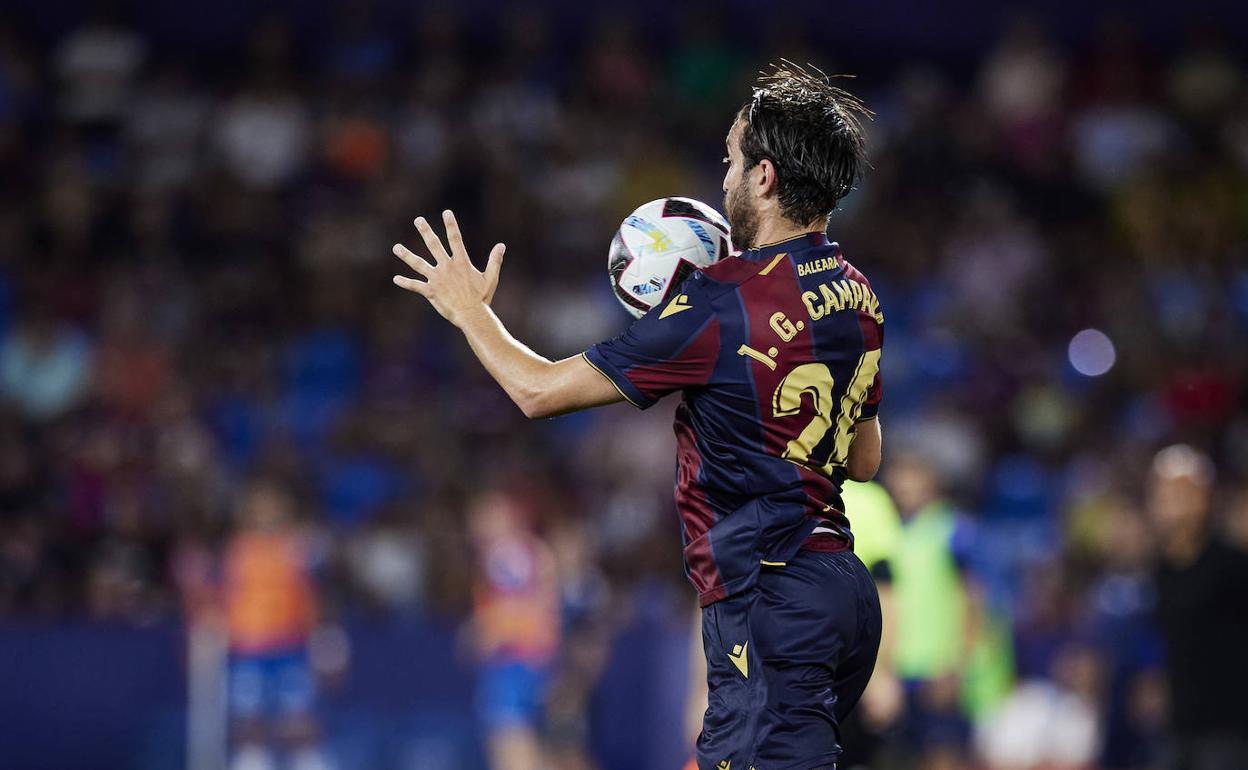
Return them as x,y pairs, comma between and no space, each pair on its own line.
1091,352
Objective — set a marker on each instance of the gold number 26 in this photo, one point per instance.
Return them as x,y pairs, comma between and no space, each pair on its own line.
816,379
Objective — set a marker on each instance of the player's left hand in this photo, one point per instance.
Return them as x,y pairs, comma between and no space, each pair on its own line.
452,285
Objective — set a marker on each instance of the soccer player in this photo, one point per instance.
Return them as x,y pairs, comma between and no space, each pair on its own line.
777,354
515,625
271,611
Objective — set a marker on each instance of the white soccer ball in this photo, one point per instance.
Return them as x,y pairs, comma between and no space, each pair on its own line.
659,245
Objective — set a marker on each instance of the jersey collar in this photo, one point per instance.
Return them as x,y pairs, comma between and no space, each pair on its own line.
803,241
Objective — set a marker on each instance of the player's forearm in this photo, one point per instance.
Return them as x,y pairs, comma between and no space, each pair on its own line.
540,387
461,294
523,374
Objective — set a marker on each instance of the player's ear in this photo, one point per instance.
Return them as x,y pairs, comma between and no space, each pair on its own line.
766,178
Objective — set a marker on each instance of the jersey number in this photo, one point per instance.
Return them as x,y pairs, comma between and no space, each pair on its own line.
816,379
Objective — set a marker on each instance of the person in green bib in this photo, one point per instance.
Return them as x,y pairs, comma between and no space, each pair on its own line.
937,608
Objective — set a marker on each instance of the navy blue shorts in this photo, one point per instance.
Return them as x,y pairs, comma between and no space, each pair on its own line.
511,694
277,684
786,661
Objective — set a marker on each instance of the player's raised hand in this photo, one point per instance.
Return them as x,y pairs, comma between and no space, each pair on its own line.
452,284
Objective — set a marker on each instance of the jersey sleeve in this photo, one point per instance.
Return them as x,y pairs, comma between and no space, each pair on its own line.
674,346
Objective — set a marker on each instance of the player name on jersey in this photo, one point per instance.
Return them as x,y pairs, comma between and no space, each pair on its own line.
840,295
817,266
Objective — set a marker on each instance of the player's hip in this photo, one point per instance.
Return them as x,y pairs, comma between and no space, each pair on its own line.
807,609
786,659
725,551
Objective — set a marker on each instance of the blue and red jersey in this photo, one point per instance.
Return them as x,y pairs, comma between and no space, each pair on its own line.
777,353
516,601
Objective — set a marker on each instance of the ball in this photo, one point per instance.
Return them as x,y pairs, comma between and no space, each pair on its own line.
659,245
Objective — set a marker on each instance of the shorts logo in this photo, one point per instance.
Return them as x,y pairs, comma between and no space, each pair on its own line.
725,765
739,659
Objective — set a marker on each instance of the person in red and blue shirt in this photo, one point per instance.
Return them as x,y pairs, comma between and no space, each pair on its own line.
774,390
515,627
776,352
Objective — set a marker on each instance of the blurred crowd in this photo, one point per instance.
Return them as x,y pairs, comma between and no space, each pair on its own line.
195,294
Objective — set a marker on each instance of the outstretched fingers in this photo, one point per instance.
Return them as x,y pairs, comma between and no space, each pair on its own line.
492,268
453,236
432,241
412,285
413,260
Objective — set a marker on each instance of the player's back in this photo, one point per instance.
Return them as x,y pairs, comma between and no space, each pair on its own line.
777,352
810,332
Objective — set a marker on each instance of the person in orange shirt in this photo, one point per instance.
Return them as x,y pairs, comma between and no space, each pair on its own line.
270,609
516,628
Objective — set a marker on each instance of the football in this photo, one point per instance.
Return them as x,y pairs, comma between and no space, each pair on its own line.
659,245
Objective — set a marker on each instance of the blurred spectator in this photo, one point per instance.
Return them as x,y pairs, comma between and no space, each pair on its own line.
1117,612
515,627
1022,82
938,610
165,129
585,609
45,367
1203,572
1048,724
1119,132
264,133
97,65
388,559
1205,78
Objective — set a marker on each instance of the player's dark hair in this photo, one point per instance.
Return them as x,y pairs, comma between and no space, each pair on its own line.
809,129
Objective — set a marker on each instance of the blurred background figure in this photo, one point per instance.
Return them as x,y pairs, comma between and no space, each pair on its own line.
1050,723
1201,576
872,732
271,611
515,628
44,368
585,602
938,610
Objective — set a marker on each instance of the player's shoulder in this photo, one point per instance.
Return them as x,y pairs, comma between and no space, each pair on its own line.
704,287
726,275
729,273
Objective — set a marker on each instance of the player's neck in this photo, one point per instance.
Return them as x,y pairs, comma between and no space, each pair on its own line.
779,229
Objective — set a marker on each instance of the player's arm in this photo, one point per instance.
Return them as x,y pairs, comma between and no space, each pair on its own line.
461,294
865,451
863,461
540,387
